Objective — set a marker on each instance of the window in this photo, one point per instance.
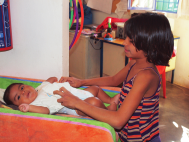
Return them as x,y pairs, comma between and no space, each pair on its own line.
157,5
167,5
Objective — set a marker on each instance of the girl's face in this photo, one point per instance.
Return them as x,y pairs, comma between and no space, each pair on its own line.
22,93
130,50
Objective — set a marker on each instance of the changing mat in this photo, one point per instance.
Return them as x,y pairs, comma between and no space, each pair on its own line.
19,126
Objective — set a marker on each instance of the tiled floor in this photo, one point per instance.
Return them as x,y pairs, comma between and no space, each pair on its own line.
174,114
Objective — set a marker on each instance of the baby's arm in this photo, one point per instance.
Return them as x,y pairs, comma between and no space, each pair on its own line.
32,108
52,79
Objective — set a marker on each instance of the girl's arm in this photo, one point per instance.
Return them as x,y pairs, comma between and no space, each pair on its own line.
32,108
102,81
52,79
119,118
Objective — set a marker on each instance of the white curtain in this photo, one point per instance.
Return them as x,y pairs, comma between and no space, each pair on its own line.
183,8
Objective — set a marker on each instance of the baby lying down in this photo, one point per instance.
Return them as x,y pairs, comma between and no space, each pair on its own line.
43,100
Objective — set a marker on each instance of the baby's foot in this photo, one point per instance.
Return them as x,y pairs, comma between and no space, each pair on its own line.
112,106
115,99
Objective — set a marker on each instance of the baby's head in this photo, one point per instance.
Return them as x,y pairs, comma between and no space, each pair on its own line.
151,33
18,93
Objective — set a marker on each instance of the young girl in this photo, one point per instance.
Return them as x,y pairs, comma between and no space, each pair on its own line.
149,42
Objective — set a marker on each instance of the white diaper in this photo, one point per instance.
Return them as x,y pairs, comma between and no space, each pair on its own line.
68,111
82,94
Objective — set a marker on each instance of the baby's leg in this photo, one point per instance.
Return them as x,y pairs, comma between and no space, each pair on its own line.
112,106
98,92
98,103
93,101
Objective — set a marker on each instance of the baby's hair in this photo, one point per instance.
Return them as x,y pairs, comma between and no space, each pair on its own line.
7,94
151,32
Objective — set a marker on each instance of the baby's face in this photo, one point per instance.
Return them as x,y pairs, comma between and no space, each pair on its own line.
22,93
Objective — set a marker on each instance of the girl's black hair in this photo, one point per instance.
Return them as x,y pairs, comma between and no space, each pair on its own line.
151,32
7,94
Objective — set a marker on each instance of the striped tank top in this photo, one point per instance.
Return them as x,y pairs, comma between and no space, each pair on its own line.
143,125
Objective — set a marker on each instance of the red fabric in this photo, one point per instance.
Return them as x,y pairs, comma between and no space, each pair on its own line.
174,53
104,24
161,69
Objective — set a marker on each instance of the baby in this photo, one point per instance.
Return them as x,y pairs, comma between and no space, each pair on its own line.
42,99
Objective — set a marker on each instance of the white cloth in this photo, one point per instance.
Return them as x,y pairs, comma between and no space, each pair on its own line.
46,98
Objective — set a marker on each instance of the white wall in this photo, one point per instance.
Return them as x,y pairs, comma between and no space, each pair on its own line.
180,27
40,40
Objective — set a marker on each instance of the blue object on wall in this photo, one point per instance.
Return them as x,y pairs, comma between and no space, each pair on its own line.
5,26
88,15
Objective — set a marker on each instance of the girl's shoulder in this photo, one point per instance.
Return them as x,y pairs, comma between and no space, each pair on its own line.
149,74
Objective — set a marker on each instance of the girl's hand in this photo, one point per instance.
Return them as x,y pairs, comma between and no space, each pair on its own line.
74,82
68,99
24,107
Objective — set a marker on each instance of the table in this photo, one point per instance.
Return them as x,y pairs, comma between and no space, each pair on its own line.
117,42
